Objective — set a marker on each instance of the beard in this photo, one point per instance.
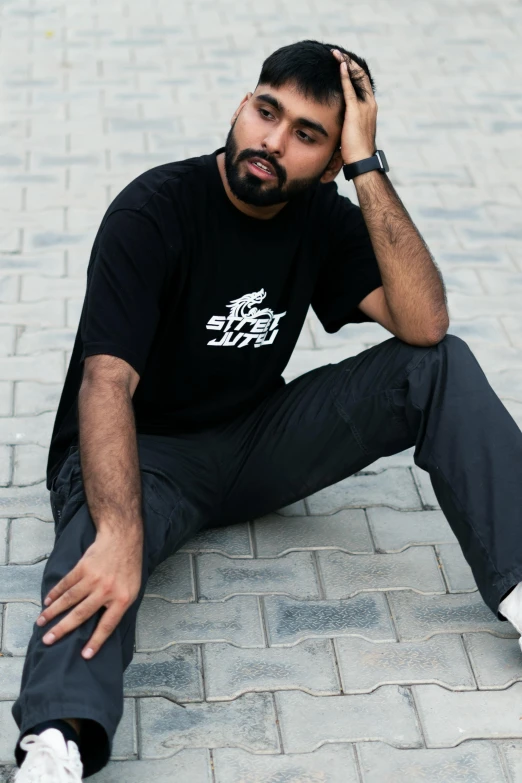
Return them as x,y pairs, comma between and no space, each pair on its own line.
256,191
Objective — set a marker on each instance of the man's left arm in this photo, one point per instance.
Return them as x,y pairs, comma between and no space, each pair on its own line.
411,302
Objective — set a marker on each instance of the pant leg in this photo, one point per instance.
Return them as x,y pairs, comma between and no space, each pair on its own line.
57,681
335,420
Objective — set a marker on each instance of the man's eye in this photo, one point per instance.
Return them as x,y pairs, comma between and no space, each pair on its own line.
305,137
266,113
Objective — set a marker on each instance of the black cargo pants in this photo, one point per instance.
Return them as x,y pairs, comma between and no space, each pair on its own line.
320,428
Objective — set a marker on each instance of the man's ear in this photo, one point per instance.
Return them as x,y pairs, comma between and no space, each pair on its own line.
238,110
334,167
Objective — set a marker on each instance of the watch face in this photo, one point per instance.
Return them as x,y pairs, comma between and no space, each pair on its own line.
382,157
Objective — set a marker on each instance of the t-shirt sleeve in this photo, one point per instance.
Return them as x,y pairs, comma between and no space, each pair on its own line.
350,270
124,282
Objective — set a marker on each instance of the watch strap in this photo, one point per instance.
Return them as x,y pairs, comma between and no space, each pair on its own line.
376,162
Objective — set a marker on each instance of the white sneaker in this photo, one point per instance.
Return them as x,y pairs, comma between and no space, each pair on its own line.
511,608
49,759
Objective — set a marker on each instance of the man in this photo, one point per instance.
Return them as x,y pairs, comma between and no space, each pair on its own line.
174,415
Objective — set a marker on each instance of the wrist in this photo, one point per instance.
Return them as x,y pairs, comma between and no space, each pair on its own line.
127,536
355,157
368,177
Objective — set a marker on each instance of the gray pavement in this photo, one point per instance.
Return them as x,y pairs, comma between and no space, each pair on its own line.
343,639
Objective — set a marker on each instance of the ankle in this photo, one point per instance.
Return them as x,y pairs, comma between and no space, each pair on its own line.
506,594
64,725
75,723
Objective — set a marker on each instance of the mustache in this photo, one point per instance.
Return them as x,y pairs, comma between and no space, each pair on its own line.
249,153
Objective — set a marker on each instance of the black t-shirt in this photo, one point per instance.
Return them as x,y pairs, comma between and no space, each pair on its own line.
207,303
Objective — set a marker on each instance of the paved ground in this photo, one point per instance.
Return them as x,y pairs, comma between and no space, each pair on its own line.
342,639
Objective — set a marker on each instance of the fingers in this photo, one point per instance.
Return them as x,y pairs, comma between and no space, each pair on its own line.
350,72
349,92
81,612
108,622
71,597
64,584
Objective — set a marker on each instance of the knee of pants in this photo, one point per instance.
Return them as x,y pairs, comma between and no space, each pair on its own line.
454,345
451,350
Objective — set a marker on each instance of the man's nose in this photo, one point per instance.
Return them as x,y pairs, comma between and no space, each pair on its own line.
274,142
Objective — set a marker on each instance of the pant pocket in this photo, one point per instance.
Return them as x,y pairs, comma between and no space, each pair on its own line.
57,500
163,515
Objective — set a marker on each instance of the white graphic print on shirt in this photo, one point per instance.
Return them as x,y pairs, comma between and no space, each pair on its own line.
246,323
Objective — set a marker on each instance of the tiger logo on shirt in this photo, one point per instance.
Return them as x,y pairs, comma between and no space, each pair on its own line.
246,323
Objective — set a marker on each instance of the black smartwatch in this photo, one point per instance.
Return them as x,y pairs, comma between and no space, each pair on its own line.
376,162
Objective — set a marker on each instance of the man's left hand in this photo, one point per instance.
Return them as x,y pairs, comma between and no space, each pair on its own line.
360,121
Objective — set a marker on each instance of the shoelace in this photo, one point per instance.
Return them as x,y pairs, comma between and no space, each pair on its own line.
61,769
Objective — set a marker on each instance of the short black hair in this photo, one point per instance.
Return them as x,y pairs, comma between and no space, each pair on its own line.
314,70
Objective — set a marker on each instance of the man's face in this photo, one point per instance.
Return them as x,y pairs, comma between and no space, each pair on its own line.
279,129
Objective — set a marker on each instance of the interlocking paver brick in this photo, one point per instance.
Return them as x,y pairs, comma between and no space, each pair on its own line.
507,383
30,462
7,339
30,540
458,573
425,487
329,764
52,264
230,671
248,722
45,366
44,313
10,676
470,306
219,577
418,616
345,575
19,620
387,714
346,530
514,329
394,531
496,662
471,762
34,398
5,465
495,358
125,741
4,524
25,501
6,396
484,329
39,340
20,583
290,621
365,665
293,510
231,540
393,487
449,718
25,429
191,765
8,733
402,459
174,673
511,751
173,579
161,623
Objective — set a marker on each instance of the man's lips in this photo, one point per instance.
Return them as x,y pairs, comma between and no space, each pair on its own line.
261,172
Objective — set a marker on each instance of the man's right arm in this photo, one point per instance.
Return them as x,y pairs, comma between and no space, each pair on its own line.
109,573
108,446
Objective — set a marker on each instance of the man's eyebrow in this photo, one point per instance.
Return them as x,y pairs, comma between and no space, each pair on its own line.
312,124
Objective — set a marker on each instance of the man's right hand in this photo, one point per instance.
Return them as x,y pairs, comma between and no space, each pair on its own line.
107,576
